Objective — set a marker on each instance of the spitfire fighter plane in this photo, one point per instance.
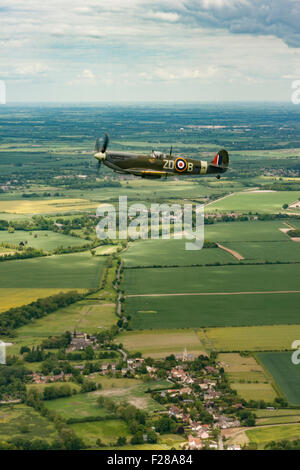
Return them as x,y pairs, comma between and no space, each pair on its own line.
158,164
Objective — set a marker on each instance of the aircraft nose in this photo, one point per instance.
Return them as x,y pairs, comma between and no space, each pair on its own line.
100,155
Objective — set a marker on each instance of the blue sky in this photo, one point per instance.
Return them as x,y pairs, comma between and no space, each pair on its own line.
159,50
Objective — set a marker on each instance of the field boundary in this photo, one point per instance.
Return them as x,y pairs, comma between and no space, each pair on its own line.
216,293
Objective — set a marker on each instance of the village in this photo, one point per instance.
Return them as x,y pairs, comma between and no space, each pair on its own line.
198,399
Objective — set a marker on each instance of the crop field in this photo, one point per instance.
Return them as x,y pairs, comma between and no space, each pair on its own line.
22,421
15,297
172,253
281,416
247,377
252,231
76,270
211,311
90,316
254,338
263,202
255,391
262,278
43,239
261,436
107,430
82,405
161,343
285,374
288,250
47,206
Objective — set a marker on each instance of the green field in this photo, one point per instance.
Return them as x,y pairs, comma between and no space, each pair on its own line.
88,316
211,311
42,239
255,338
24,422
263,202
285,374
261,436
287,251
207,279
85,405
245,231
107,430
161,343
76,270
170,253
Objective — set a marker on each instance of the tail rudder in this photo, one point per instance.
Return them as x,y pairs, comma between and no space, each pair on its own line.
221,160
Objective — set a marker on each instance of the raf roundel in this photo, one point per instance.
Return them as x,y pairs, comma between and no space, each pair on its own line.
180,164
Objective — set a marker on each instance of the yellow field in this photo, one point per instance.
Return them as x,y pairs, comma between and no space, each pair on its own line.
161,343
247,377
46,206
251,338
10,298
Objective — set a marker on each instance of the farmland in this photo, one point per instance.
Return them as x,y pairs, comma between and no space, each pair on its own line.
76,270
285,374
166,342
247,377
213,310
42,239
171,299
254,338
268,202
261,436
172,252
262,278
22,421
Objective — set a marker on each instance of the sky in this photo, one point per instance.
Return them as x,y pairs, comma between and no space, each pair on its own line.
142,50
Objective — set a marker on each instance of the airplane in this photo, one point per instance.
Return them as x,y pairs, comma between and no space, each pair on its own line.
158,164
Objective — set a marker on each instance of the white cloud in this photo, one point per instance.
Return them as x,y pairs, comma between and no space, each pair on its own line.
163,16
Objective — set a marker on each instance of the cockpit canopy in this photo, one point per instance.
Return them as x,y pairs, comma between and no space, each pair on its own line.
159,155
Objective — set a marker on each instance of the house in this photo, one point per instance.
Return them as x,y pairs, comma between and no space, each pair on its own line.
175,411
234,447
194,443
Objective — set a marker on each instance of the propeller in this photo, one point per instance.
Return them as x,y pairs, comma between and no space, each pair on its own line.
100,154
171,149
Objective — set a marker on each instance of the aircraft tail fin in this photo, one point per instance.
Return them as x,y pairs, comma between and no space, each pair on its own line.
221,160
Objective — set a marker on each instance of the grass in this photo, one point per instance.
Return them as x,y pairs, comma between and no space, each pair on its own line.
263,202
108,431
24,422
254,338
41,387
76,270
288,251
171,252
253,391
161,343
43,239
261,436
286,374
247,377
87,316
46,206
212,279
14,297
245,231
85,405
213,311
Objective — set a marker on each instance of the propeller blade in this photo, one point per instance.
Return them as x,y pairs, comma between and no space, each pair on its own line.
98,166
171,149
105,143
97,145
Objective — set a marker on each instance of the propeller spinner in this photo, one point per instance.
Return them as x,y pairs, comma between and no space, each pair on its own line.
100,154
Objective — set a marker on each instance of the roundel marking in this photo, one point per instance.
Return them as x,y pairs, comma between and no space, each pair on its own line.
180,164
